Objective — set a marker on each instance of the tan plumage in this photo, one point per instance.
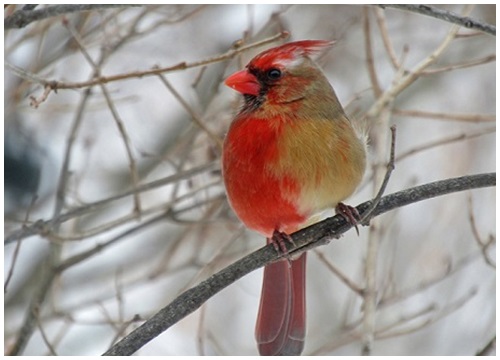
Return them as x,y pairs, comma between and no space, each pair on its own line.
290,153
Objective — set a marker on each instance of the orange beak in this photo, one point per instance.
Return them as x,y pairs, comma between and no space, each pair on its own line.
244,82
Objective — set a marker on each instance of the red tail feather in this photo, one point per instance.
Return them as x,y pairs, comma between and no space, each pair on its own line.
290,153
280,326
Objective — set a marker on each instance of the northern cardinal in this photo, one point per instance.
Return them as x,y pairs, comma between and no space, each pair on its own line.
289,153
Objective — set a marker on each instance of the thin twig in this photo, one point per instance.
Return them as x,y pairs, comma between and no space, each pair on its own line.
390,168
200,331
411,76
380,16
35,102
348,282
44,335
112,224
30,320
445,311
445,15
370,63
475,62
405,319
445,116
444,141
43,226
196,118
483,245
78,258
114,112
24,17
18,247
75,259
10,273
59,85
414,290
134,175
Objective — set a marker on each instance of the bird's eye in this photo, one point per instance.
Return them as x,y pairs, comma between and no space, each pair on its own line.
274,74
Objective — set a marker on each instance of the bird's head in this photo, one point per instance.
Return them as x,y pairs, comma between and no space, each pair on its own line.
283,74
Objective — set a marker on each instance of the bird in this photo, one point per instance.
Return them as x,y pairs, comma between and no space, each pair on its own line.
289,153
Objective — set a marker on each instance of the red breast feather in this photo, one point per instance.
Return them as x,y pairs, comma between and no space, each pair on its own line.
291,151
254,192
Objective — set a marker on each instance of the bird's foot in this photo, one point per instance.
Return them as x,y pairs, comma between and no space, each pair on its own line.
279,240
349,213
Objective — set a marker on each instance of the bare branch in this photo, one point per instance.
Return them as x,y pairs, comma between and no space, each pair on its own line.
405,293
484,245
488,348
444,141
390,169
99,80
348,282
386,38
114,112
43,226
410,77
370,64
35,102
445,15
24,17
196,118
16,250
45,338
445,116
305,239
464,65
387,332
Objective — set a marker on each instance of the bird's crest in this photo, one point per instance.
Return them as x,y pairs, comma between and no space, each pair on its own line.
289,53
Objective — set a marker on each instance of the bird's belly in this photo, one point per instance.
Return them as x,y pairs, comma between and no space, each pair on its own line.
262,202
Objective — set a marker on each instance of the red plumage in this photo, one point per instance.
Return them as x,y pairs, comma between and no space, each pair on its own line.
250,146
289,153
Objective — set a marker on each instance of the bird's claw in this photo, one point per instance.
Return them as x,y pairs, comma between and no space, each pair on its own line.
349,213
279,240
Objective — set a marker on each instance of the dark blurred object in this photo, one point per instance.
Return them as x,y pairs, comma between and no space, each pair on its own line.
23,160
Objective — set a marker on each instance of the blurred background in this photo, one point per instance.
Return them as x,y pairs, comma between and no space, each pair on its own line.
114,203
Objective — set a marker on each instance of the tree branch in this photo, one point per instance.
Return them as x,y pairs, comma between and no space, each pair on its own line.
445,15
98,80
26,16
43,227
305,239
489,348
